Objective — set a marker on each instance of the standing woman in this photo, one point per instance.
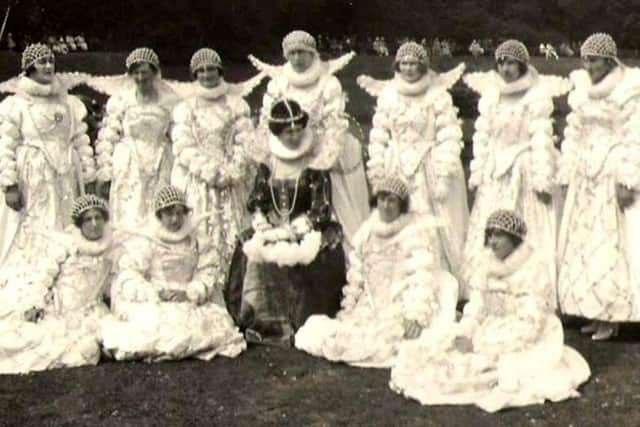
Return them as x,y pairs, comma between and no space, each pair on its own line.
133,150
514,162
600,170
416,134
293,265
310,81
45,155
211,166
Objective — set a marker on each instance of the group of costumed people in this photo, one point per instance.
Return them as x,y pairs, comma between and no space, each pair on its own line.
219,230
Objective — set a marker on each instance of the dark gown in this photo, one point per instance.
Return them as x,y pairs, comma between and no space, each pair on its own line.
288,295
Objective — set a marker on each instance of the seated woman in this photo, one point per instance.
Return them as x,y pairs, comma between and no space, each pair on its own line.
51,310
293,265
396,287
163,301
508,348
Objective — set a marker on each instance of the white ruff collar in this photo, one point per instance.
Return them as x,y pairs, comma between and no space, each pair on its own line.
83,246
513,263
306,78
158,231
604,87
279,150
33,88
416,88
212,93
524,83
389,229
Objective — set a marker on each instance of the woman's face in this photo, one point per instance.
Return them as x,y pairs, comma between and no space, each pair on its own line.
173,217
208,76
143,75
93,223
44,70
410,70
300,60
291,137
509,69
597,67
500,243
389,206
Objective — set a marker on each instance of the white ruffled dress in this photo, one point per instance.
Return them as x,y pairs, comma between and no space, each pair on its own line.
394,277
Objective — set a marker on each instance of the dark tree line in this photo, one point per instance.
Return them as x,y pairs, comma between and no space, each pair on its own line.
232,25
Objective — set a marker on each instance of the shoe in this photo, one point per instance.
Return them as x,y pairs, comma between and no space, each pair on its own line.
590,328
606,331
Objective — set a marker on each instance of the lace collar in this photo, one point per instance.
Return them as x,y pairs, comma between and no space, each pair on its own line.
83,246
33,88
514,262
280,151
605,87
386,230
161,233
419,87
521,85
307,78
213,93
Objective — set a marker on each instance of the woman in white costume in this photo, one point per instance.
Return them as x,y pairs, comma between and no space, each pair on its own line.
417,134
600,170
164,299
51,312
211,166
396,287
508,350
308,80
45,154
514,158
133,151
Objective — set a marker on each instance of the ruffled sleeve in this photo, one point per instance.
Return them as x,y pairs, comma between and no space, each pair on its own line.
334,102
131,284
543,152
10,138
379,138
446,152
569,150
480,150
627,173
111,132
81,141
185,146
236,162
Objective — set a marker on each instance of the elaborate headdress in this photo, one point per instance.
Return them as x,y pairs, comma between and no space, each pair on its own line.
143,54
513,49
599,44
286,112
412,50
204,57
393,185
85,203
299,40
507,221
33,53
169,196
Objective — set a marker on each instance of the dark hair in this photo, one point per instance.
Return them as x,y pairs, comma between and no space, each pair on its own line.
220,71
515,240
159,211
404,203
522,67
78,221
132,69
281,116
422,67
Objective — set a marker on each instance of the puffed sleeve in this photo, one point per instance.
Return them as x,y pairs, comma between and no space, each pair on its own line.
320,211
235,164
131,284
10,138
543,152
81,141
379,138
185,145
446,152
111,132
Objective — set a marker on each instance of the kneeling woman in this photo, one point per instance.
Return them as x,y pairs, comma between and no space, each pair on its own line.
164,303
52,309
508,349
293,265
396,288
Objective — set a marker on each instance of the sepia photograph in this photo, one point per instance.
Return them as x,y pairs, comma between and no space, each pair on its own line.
320,213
